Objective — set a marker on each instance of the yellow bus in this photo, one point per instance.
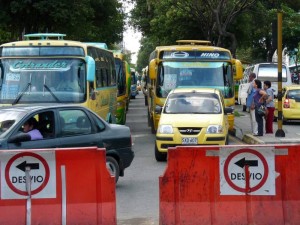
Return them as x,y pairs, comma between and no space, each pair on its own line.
124,81
45,68
190,63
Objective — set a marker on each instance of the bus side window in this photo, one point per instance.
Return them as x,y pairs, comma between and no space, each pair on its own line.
108,78
98,77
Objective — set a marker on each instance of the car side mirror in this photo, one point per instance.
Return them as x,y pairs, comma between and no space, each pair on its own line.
19,138
158,109
228,110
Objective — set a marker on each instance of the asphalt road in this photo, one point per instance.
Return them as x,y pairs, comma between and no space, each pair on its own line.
138,191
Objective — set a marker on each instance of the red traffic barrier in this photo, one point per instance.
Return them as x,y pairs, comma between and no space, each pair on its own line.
231,185
56,186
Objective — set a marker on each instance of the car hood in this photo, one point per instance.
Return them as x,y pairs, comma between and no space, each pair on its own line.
191,120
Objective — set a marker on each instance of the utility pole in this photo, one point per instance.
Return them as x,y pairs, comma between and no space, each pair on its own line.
279,132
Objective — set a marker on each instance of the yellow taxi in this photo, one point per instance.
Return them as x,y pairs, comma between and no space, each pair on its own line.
290,103
191,116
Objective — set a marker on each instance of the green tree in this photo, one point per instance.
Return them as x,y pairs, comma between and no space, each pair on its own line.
84,20
247,26
170,20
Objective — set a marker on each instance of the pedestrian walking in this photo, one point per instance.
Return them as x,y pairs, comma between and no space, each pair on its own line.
258,99
270,106
251,91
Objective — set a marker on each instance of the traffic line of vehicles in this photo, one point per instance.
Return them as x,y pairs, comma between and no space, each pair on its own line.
190,64
46,69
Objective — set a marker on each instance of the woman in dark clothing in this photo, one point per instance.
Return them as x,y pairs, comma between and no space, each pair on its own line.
259,99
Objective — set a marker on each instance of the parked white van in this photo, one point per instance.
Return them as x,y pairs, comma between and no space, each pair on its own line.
263,71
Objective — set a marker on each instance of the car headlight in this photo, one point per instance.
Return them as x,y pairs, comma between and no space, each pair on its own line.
165,129
214,129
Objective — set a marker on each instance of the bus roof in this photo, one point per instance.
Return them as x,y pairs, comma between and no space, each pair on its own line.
118,54
39,43
48,42
186,47
194,42
45,36
98,44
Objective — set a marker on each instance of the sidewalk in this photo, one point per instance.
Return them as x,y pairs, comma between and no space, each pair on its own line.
243,131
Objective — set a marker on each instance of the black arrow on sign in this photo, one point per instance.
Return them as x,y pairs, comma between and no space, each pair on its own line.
242,162
23,165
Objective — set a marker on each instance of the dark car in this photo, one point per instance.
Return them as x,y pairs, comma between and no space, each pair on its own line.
67,126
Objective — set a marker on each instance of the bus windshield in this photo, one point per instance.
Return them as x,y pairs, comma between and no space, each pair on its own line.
42,80
198,74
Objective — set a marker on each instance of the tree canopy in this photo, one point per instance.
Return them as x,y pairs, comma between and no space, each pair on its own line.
246,27
82,20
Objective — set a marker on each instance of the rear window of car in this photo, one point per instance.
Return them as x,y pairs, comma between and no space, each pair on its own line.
73,122
294,94
193,103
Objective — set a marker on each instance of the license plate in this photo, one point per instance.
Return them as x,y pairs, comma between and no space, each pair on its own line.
189,141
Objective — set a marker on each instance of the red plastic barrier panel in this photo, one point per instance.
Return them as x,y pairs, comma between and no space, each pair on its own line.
56,186
231,185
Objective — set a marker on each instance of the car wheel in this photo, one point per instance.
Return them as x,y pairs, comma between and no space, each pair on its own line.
284,121
227,140
153,131
244,108
113,167
160,156
127,105
149,119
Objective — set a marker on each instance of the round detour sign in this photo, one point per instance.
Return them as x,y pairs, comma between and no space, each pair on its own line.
15,175
255,163
27,173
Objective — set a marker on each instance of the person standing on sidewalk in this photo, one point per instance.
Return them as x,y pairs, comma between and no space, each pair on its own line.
251,91
259,99
270,106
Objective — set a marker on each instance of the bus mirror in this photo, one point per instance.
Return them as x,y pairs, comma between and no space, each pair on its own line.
91,68
238,69
1,75
152,69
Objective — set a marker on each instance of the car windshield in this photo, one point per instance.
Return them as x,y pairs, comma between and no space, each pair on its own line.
7,119
190,103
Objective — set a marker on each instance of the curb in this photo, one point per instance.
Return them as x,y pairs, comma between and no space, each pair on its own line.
250,139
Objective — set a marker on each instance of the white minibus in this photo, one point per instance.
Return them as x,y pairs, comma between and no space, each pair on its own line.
265,71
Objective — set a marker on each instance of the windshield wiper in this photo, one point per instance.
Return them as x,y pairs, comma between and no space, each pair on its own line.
51,92
22,93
